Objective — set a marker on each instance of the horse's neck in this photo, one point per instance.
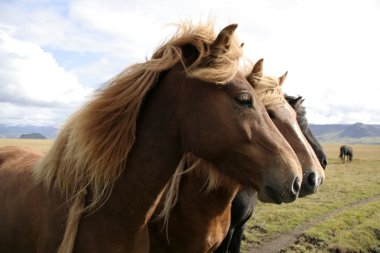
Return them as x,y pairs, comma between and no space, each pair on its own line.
150,164
148,170
210,202
204,215
133,199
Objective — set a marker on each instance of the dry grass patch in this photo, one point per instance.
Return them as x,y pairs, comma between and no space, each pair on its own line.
41,145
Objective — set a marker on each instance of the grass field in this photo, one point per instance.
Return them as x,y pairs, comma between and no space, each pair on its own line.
354,229
41,145
345,184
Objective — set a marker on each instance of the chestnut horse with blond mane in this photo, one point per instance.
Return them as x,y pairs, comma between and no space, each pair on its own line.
197,218
99,184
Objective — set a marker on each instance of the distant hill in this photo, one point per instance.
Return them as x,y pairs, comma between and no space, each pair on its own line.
32,136
344,133
360,130
333,133
14,132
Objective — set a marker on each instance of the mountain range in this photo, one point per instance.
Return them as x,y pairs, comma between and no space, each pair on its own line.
343,133
15,132
332,133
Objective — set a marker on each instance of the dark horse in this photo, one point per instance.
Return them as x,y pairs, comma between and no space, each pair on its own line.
99,184
346,152
245,200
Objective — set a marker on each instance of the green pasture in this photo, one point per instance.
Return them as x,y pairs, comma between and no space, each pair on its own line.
344,184
355,230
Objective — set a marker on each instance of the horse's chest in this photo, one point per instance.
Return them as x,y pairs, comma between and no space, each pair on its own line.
217,233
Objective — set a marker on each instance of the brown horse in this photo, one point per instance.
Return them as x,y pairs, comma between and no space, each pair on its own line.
101,181
285,119
18,158
197,219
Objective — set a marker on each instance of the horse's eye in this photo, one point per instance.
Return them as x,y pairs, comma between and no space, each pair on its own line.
244,100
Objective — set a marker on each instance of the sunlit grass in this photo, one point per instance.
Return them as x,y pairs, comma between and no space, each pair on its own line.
356,230
344,184
41,145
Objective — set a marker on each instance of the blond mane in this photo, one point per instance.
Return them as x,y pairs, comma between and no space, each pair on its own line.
268,90
92,148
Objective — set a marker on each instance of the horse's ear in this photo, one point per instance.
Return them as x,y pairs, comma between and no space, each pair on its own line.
223,41
299,100
257,69
283,77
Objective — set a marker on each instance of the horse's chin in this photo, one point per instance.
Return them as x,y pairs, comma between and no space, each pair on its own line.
269,198
270,195
306,192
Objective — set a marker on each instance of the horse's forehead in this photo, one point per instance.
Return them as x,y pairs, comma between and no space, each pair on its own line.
284,110
240,80
289,108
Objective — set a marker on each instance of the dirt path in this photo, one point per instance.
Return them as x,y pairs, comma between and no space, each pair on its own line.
284,240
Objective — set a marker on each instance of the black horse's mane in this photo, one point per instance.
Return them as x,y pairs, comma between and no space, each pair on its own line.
297,104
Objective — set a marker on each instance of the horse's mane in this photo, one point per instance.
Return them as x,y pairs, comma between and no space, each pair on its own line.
299,108
92,148
268,89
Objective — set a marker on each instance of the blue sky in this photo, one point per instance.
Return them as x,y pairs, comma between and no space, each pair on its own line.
54,54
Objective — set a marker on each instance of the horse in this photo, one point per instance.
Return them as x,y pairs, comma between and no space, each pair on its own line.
19,158
99,184
245,201
285,119
202,208
346,152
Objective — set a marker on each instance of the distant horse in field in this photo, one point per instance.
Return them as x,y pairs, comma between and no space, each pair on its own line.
245,201
99,185
346,153
200,212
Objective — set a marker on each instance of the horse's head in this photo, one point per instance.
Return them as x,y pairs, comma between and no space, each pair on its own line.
221,120
284,117
297,104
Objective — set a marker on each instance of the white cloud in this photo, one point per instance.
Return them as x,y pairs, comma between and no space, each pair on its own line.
329,47
19,114
32,78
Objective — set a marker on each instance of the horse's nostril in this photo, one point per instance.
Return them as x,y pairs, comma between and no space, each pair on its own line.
320,180
312,179
296,185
